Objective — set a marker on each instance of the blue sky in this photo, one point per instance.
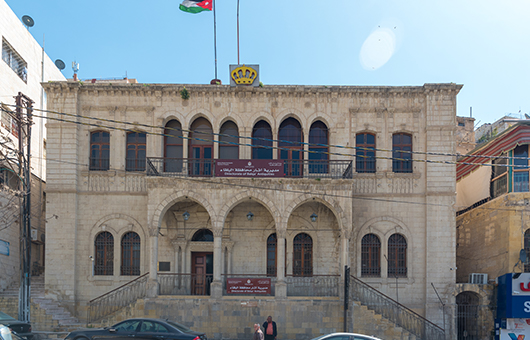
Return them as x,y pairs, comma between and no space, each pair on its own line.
483,45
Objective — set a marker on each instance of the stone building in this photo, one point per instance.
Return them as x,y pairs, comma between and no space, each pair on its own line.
176,188
23,67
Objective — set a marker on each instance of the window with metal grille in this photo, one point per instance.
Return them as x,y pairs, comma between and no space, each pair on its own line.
136,145
397,256
401,152
365,152
272,243
229,141
14,60
303,255
99,150
130,254
290,147
370,256
527,249
467,315
499,176
173,147
203,235
262,141
318,148
520,169
104,261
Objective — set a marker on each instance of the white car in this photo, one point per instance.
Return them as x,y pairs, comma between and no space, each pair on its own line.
345,336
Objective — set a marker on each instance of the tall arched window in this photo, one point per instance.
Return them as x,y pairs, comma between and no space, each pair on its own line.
173,147
291,149
397,256
365,152
318,148
370,256
135,159
527,249
99,150
201,148
229,141
303,255
104,261
272,243
130,254
262,141
401,152
203,235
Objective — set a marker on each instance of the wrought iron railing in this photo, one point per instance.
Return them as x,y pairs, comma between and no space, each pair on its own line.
117,299
188,167
184,284
392,310
499,185
316,285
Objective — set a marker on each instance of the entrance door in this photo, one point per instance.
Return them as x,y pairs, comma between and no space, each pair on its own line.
202,273
201,160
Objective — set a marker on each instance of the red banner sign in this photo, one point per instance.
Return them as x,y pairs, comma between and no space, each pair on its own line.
249,168
248,286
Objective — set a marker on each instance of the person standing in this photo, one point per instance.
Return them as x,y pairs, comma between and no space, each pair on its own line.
258,334
270,329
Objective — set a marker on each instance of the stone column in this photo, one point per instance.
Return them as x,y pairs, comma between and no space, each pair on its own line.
281,285
305,154
216,287
185,144
344,244
152,283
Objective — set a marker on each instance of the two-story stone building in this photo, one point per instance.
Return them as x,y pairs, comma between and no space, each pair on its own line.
287,183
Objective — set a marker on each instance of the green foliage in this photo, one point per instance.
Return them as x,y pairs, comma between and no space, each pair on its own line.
261,84
185,94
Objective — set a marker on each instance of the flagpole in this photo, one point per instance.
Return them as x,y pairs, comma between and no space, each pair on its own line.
215,39
238,33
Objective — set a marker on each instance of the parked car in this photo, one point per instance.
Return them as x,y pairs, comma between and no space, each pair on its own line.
21,328
139,329
345,336
7,334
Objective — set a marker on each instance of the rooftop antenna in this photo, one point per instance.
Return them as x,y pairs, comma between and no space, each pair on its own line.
75,67
28,21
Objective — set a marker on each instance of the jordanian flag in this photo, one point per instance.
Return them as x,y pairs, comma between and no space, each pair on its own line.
196,6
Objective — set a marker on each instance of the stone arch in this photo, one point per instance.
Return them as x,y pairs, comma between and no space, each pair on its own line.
291,113
169,201
96,227
198,113
232,118
171,116
404,230
319,116
249,194
333,205
265,117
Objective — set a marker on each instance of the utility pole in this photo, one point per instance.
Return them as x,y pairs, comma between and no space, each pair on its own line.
24,120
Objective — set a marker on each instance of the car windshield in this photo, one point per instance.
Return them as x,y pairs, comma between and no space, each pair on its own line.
178,326
5,317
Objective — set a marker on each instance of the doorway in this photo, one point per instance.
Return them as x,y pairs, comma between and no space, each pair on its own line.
201,273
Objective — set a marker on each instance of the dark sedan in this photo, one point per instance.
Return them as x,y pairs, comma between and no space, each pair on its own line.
139,329
21,328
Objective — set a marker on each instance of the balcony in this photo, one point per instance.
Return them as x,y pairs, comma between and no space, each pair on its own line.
250,168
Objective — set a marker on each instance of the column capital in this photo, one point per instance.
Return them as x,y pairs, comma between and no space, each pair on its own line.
153,231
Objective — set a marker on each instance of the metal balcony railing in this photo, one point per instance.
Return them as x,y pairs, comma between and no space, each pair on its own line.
316,285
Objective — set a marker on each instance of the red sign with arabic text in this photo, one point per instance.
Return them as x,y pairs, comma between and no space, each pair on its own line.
249,168
252,286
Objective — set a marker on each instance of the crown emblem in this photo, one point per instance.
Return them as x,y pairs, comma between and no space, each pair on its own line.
244,75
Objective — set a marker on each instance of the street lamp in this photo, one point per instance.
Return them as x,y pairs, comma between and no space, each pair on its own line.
186,215
313,217
250,216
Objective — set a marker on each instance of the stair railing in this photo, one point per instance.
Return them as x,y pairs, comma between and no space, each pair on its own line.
394,311
117,298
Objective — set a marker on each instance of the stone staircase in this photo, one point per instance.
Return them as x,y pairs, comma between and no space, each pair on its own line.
46,315
366,321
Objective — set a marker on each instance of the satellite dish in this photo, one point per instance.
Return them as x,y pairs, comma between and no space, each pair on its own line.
60,64
28,21
523,257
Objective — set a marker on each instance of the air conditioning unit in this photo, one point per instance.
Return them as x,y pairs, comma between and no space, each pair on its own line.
34,234
478,278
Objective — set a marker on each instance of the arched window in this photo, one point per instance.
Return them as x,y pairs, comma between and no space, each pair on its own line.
262,141
272,243
370,256
467,315
397,256
229,141
201,148
203,235
173,147
401,152
290,147
130,254
99,150
365,152
104,261
303,255
520,171
318,148
135,160
527,249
